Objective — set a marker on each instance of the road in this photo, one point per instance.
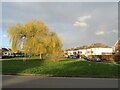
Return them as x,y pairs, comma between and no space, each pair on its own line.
10,81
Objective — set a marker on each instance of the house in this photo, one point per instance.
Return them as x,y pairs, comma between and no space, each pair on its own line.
117,50
6,53
117,47
92,49
70,51
96,49
99,51
81,51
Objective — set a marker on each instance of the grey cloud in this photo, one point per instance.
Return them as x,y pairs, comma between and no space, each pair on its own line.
60,18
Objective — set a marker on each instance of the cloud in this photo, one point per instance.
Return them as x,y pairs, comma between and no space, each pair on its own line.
100,33
82,21
62,16
4,36
80,24
84,18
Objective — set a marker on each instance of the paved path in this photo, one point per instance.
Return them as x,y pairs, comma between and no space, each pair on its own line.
10,81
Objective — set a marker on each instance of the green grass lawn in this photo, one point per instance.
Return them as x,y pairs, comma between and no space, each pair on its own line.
74,68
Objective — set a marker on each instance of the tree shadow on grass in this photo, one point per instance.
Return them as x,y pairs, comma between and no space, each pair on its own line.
20,66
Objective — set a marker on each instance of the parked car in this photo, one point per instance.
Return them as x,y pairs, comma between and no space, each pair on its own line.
87,58
96,59
19,54
72,56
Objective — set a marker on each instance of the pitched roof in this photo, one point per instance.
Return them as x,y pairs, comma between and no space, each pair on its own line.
98,45
93,45
117,44
5,49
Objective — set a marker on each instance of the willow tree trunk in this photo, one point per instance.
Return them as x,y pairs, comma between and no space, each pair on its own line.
40,56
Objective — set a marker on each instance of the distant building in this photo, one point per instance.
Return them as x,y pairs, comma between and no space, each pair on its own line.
99,51
95,51
92,49
117,47
70,51
4,52
117,50
81,51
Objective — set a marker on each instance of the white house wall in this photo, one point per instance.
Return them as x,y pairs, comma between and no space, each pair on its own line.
93,51
70,52
100,51
7,53
83,51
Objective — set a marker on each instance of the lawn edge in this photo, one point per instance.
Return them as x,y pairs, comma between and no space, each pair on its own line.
46,75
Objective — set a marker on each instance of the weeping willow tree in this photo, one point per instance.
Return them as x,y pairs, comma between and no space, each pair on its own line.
55,47
34,38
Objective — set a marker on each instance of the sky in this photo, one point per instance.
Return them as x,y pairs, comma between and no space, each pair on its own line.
60,0
76,23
